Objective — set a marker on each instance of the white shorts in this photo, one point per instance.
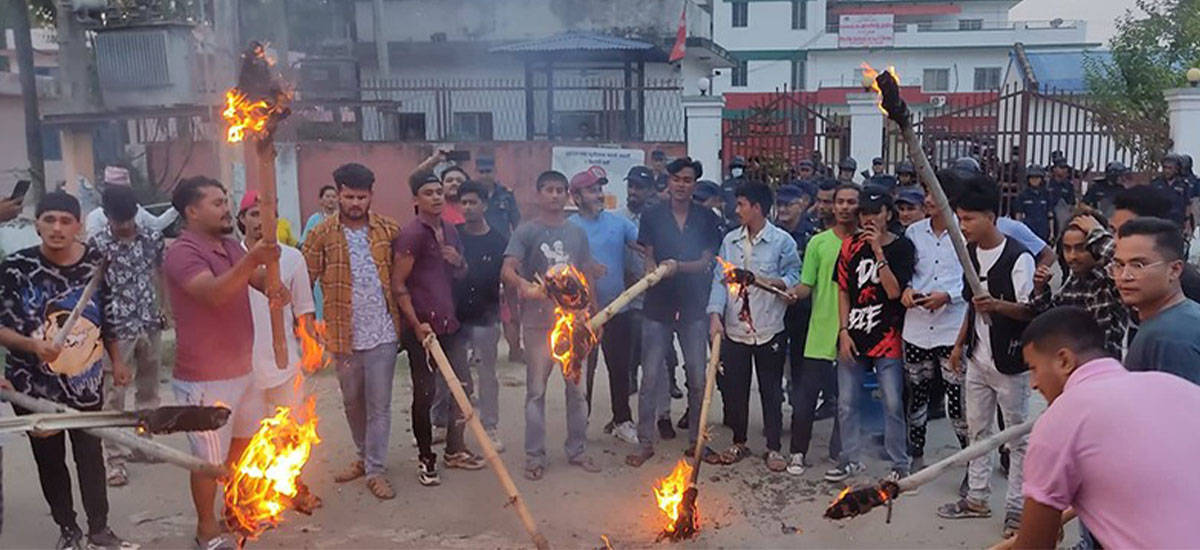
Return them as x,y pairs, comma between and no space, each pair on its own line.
285,394
240,395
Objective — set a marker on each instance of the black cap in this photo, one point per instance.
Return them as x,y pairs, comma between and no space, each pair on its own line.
738,162
640,176
658,154
874,198
848,163
58,201
705,189
877,160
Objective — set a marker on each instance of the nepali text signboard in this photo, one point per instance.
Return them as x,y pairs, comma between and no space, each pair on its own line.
867,31
616,162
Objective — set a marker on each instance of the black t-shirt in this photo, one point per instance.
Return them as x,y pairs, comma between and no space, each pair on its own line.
875,321
686,294
36,298
477,294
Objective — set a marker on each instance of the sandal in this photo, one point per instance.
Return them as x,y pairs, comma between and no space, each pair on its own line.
776,462
962,509
117,475
381,488
734,454
638,458
305,501
710,457
534,473
352,472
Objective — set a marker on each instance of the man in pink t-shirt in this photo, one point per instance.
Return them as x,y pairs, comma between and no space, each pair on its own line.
1109,444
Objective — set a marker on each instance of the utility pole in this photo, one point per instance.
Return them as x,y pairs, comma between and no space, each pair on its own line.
29,95
381,51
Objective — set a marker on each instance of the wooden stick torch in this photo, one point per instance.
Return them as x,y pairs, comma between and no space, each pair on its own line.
897,111
623,299
686,524
485,444
60,338
267,200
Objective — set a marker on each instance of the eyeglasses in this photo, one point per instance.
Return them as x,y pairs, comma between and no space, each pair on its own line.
1131,270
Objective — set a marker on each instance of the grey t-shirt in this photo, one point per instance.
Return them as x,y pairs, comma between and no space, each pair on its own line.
1169,342
539,247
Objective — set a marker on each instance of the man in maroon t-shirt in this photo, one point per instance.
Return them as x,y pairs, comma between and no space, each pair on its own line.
208,274
872,270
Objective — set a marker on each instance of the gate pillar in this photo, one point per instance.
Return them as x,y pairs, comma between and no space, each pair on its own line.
866,128
703,123
1183,112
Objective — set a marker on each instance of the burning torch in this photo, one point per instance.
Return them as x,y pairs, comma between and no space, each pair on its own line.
893,106
254,108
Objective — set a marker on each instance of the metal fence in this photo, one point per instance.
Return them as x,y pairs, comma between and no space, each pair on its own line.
507,110
779,130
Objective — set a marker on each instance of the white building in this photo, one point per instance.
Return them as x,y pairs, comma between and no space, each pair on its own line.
942,46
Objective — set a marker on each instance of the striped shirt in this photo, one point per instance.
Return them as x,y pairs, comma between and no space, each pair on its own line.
1096,292
328,258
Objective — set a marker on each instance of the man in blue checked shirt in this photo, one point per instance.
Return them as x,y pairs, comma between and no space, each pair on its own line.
760,341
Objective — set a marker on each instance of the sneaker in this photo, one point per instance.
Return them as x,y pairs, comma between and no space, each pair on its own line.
223,541
439,435
626,432
665,429
427,473
107,540
796,465
841,473
496,443
464,460
69,538
1012,524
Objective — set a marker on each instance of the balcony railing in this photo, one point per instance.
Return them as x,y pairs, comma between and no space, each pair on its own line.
956,26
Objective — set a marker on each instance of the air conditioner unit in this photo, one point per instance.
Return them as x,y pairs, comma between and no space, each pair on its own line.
937,100
146,65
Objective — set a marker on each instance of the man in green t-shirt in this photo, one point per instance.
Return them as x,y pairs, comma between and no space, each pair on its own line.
816,280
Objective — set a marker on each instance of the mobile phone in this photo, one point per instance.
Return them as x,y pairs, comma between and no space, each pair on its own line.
458,156
19,191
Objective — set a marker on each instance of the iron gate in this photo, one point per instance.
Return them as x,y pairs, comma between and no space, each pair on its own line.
780,129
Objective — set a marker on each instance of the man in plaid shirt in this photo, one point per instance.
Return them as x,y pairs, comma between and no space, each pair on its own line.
1087,249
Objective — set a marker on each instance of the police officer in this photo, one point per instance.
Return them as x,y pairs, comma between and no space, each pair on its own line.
877,169
1101,193
846,170
1174,179
708,194
1062,191
806,170
1033,205
737,176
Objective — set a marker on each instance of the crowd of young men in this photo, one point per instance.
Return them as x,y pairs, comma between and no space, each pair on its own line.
852,280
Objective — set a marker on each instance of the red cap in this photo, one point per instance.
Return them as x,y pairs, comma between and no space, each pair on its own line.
587,178
249,200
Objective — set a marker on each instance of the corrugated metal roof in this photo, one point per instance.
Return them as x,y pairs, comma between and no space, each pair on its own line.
575,41
1062,71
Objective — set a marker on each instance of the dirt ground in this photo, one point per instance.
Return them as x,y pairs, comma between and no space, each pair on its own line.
742,506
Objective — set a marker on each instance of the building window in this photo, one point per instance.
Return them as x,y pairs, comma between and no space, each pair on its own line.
798,67
741,14
936,80
970,24
799,15
740,73
5,66
987,78
406,127
473,126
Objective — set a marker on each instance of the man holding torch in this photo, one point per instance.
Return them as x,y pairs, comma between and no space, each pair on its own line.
428,257
208,278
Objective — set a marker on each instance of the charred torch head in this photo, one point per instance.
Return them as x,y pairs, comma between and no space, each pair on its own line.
887,86
572,339
852,502
259,102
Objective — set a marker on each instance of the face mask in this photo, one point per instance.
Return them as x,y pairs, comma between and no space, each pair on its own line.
735,172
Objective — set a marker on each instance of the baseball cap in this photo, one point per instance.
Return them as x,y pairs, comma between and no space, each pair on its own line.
807,163
874,198
640,176
594,175
249,200
485,164
658,154
911,195
792,192
706,189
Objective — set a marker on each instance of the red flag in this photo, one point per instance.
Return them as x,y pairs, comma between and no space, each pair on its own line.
680,47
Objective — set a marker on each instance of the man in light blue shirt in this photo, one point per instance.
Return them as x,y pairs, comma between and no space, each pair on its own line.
751,320
609,237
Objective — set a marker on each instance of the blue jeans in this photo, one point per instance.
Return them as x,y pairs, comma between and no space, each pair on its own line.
656,337
366,380
479,341
537,374
890,375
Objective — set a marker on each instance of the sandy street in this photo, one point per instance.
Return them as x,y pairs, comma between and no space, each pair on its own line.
742,506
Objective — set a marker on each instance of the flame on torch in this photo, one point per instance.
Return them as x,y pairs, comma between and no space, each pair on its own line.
730,275
869,82
259,102
264,478
571,340
311,333
669,494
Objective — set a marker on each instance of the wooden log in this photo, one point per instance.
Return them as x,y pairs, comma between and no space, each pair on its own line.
623,299
269,216
120,437
961,458
93,285
485,443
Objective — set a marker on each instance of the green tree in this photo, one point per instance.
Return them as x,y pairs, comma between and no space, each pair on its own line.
1150,54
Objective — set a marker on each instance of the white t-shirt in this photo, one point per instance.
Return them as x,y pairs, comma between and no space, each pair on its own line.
1022,279
294,273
